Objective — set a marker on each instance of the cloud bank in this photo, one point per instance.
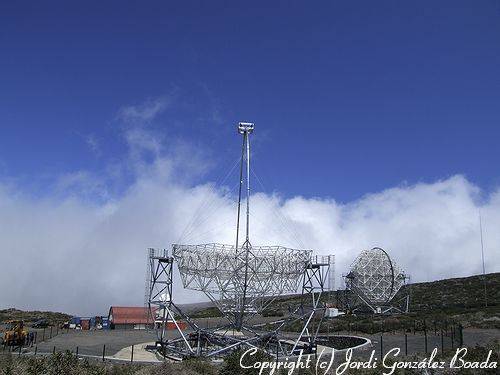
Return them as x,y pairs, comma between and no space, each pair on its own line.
69,253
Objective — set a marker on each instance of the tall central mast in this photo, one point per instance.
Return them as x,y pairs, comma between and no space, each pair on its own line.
248,183
244,128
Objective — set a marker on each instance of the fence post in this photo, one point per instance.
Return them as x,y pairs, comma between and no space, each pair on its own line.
43,338
425,336
406,344
132,354
442,342
103,351
50,331
381,346
54,350
77,352
452,334
20,348
461,334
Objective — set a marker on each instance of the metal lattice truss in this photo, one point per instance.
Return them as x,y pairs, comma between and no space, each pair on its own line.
219,271
375,278
241,280
160,308
307,273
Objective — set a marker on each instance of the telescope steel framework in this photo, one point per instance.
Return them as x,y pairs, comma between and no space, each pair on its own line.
375,280
241,281
218,341
219,271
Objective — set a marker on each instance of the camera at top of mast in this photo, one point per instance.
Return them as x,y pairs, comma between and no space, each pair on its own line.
245,127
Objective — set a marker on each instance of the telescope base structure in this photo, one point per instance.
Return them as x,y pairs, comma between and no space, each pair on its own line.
395,306
224,338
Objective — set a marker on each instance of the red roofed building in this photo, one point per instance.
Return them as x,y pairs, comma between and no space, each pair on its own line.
137,318
128,317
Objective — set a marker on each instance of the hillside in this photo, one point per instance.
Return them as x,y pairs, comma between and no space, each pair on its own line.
457,293
459,297
33,316
449,296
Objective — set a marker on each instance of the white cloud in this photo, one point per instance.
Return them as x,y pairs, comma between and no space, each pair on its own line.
67,252
81,258
82,184
145,111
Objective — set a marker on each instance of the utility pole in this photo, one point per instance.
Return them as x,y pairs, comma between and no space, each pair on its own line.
482,258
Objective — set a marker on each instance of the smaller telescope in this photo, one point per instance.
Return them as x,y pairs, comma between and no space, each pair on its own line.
375,279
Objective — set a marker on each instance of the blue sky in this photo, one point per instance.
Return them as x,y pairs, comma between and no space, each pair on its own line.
377,124
348,97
